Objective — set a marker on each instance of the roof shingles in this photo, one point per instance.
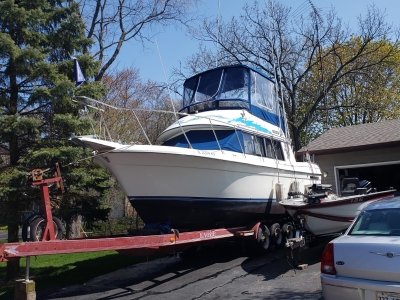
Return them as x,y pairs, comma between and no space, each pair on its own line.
356,136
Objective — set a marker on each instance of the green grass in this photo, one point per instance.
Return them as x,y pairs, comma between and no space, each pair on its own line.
56,271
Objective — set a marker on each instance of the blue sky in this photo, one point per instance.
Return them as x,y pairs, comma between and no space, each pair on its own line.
175,45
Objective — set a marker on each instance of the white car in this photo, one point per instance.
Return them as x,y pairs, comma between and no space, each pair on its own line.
364,263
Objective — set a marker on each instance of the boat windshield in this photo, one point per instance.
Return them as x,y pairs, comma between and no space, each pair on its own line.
219,84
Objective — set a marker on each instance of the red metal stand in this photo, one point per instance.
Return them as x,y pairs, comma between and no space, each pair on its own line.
36,177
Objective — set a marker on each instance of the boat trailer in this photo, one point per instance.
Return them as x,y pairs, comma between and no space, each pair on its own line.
49,243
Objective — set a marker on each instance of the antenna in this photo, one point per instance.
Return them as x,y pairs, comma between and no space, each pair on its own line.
318,17
278,81
170,97
166,80
217,41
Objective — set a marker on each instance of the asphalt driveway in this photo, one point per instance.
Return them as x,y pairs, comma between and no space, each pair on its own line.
220,272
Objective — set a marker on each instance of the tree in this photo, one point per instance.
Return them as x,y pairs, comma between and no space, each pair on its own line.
296,50
112,23
37,41
367,97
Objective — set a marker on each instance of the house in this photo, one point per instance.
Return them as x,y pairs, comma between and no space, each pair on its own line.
367,151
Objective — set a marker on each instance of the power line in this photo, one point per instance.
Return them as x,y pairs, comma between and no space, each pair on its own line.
299,8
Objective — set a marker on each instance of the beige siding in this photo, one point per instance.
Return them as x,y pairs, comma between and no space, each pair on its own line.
329,161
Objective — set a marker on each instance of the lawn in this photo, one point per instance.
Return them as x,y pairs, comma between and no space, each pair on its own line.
56,271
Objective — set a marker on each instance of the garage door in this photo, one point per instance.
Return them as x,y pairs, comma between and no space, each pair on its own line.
382,176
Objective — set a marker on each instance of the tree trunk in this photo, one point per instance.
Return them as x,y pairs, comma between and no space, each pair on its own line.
12,266
296,138
74,227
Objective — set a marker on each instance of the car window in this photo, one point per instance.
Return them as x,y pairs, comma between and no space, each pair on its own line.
377,222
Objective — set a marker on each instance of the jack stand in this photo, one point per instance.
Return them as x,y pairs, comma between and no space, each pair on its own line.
294,244
292,254
25,288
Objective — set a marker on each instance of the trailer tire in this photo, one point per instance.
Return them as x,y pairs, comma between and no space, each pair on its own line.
276,234
38,225
288,230
26,232
263,237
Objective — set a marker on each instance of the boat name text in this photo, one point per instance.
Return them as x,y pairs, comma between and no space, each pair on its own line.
358,199
207,234
206,153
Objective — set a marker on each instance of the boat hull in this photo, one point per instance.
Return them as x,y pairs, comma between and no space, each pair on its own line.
332,216
198,189
200,213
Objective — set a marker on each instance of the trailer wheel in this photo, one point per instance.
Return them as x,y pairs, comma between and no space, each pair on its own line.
288,230
38,226
276,234
263,237
26,227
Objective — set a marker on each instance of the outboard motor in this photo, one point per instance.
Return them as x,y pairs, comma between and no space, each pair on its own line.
318,192
366,186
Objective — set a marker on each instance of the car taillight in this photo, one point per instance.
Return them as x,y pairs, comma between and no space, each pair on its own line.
327,261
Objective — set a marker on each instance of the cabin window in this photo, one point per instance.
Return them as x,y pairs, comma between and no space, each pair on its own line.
228,140
208,85
235,84
190,89
269,149
205,140
253,145
259,146
262,91
248,141
278,150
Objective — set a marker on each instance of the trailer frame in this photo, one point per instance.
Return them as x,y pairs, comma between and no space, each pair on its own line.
49,244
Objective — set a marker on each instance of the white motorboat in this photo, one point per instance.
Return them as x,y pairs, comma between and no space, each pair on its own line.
226,161
326,213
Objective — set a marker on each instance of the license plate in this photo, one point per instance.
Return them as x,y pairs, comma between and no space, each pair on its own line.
387,296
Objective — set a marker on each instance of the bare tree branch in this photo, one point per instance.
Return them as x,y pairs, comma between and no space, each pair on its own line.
112,23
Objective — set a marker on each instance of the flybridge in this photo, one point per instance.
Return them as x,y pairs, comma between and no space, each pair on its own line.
233,87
